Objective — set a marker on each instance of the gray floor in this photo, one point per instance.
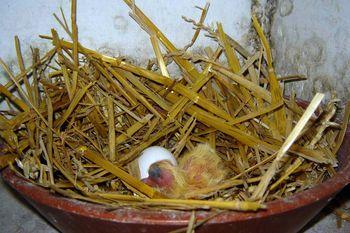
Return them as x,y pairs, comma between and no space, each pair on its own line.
17,217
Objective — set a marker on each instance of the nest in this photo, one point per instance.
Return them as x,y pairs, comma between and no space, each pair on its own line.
81,117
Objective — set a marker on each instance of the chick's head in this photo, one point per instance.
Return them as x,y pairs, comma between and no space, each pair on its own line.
166,178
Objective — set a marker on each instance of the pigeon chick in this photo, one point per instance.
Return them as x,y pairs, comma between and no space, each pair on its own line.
197,169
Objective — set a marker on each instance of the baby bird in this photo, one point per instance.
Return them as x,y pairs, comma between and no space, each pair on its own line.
197,169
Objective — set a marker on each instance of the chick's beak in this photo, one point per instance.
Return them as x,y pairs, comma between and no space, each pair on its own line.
149,182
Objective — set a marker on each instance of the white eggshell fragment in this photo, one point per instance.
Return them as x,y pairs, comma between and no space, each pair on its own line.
152,155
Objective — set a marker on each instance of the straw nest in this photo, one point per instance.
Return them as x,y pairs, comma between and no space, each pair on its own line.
77,118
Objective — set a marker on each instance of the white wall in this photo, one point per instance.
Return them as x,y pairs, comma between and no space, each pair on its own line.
105,25
312,37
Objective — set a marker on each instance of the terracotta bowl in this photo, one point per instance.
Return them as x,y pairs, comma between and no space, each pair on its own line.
287,215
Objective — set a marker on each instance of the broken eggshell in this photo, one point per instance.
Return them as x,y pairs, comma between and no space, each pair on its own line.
152,155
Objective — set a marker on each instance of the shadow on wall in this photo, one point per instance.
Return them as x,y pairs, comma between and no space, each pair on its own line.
312,38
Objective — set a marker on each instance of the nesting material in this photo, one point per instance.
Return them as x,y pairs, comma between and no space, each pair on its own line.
77,120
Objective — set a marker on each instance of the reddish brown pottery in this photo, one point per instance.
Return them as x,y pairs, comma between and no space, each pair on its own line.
287,215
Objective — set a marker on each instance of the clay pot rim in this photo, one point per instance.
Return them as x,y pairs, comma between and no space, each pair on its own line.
325,190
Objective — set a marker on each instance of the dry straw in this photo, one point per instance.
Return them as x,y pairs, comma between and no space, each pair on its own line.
77,118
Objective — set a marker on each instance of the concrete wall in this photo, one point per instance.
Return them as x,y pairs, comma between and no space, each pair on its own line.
312,37
309,37
105,25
